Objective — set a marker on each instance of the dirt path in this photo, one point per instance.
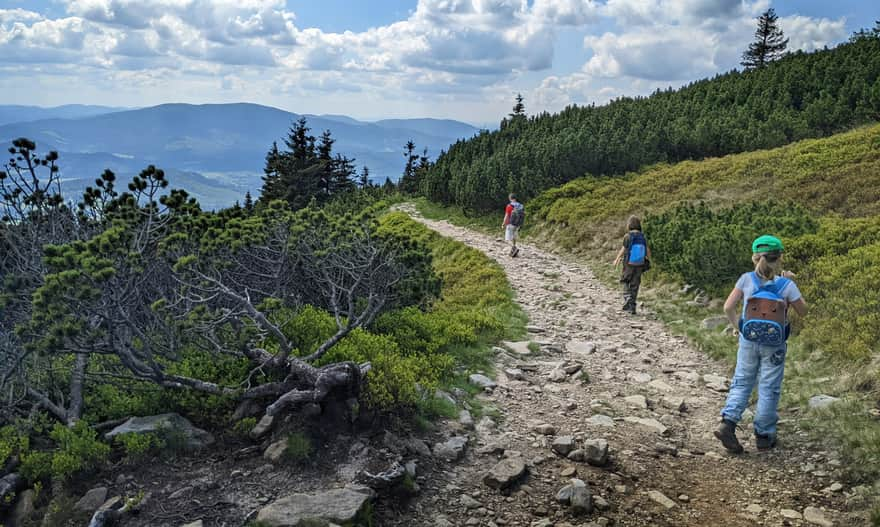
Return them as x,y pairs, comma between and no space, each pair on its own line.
638,377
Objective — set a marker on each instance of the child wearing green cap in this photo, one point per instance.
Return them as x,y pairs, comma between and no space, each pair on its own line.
758,362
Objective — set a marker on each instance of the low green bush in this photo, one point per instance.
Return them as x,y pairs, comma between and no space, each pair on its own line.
136,446
77,449
711,248
299,448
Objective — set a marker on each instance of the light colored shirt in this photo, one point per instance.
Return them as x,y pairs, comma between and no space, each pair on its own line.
790,293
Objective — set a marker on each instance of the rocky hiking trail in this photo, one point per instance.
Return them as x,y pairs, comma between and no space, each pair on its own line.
632,446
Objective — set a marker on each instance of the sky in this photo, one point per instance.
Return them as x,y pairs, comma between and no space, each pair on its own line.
372,59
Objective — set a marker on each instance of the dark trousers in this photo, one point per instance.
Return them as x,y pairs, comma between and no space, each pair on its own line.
631,280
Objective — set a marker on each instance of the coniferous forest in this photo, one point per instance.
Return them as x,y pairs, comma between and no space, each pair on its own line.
800,96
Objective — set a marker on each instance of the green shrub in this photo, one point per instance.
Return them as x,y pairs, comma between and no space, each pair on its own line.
77,449
845,302
137,445
244,426
13,442
299,448
711,248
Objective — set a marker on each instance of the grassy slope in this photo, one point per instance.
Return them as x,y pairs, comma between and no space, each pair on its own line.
839,175
836,174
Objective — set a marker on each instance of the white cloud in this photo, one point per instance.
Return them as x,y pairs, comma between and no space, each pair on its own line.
454,51
808,34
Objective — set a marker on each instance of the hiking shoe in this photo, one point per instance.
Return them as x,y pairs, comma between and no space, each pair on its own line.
763,442
515,252
726,433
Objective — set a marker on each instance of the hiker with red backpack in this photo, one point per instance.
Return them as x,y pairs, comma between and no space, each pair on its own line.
635,255
514,215
763,329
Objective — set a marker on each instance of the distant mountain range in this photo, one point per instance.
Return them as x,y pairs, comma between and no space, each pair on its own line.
214,151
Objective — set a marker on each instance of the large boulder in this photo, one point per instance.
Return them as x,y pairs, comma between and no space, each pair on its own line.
507,472
169,426
335,506
92,500
10,484
596,452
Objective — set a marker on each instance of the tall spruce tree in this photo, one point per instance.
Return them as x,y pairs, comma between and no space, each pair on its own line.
519,109
769,44
408,183
365,177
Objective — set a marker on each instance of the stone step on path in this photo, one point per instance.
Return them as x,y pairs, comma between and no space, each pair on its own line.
651,398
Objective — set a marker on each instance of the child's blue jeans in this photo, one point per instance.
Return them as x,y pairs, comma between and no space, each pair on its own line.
761,365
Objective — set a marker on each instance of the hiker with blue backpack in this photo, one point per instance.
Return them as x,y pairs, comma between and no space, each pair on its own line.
763,328
514,216
635,255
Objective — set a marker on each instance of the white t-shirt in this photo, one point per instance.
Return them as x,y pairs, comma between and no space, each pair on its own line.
790,293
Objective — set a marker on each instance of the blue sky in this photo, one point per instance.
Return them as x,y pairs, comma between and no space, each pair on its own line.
462,59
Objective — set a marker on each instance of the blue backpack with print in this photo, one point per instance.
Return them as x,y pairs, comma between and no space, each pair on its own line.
764,313
638,248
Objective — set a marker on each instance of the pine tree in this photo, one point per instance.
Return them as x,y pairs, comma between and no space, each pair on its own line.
408,181
248,202
519,109
388,186
272,174
365,177
769,44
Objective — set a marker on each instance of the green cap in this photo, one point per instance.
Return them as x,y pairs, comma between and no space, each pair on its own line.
767,244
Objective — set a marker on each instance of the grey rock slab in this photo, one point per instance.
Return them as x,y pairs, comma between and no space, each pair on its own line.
581,347
481,381
677,404
465,419
649,424
197,523
515,374
815,516
452,449
24,508
275,451
660,498
636,401
601,420
821,401
562,445
262,427
339,506
505,473
193,437
519,348
790,514
92,500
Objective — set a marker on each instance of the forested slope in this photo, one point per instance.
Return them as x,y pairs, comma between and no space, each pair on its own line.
804,95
